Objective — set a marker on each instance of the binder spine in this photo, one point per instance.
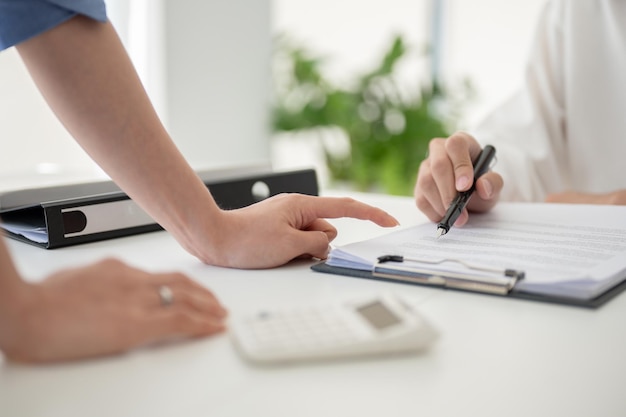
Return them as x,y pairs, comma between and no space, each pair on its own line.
128,219
94,217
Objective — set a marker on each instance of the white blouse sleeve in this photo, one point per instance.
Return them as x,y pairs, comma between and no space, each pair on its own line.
528,130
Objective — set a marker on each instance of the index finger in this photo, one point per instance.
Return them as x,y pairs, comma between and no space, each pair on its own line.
336,207
462,150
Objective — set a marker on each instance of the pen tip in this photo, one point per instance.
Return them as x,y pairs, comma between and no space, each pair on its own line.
440,232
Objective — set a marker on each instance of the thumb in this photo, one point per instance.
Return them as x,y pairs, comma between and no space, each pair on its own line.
462,149
313,243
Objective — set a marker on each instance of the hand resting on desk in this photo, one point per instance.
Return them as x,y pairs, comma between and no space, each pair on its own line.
616,197
276,230
102,309
87,78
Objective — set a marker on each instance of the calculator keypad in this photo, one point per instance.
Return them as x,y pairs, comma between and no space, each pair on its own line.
302,330
370,326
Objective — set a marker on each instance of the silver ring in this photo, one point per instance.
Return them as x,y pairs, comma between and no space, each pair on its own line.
166,295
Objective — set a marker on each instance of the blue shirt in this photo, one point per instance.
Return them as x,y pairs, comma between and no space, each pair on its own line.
24,19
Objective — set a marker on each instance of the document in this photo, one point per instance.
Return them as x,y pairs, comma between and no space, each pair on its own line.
38,234
576,251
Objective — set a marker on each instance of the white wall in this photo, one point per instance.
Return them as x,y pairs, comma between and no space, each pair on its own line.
217,71
32,141
204,63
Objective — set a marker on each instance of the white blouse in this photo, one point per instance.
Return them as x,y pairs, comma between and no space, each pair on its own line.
566,128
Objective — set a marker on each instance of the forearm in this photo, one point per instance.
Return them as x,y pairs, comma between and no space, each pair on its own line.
10,279
84,73
617,197
88,80
12,292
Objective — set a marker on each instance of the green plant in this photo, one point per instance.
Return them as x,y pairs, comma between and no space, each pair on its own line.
388,128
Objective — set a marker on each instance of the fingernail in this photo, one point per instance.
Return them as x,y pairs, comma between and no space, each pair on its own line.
488,188
462,183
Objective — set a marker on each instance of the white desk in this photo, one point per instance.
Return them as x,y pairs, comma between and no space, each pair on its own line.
496,356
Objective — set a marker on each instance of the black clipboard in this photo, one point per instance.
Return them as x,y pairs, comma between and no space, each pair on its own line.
592,303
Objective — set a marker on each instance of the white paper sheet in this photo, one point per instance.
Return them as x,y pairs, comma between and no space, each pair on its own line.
36,234
572,250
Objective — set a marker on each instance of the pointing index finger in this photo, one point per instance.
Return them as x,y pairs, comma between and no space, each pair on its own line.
336,207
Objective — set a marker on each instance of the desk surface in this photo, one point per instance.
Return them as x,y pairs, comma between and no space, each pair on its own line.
496,356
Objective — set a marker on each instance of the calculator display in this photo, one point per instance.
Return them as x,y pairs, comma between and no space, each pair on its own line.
378,315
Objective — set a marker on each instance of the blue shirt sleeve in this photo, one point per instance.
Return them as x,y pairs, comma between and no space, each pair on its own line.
24,19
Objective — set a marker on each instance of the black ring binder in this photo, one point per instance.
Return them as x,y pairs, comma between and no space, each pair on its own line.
70,218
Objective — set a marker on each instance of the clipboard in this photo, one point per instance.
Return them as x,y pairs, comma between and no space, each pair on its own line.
571,254
54,217
426,279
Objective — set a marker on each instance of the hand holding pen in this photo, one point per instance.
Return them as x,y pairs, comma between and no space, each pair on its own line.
481,166
448,171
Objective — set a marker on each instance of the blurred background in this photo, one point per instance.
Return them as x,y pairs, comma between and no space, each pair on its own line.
353,88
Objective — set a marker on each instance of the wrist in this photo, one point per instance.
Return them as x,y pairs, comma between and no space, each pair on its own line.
15,302
227,240
13,294
205,236
12,287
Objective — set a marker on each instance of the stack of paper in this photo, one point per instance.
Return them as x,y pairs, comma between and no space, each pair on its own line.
576,251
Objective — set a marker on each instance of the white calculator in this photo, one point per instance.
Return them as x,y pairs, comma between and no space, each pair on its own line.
375,325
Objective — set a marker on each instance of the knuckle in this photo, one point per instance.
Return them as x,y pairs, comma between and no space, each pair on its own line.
434,145
181,319
280,197
424,182
114,267
294,199
348,201
112,263
422,202
180,277
458,142
459,137
439,167
462,165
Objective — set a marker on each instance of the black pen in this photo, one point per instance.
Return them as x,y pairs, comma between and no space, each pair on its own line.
481,165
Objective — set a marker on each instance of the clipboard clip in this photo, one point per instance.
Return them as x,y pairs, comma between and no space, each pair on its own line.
479,278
